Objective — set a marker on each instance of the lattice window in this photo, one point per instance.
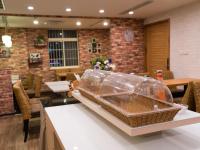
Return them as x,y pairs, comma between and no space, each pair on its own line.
63,48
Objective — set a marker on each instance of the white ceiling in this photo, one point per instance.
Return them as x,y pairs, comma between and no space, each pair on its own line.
112,8
85,8
67,23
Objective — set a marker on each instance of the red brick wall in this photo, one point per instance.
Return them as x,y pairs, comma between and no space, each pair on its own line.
18,62
42,68
85,37
128,56
6,93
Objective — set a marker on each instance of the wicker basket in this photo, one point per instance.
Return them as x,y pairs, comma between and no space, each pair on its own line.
89,95
139,112
134,113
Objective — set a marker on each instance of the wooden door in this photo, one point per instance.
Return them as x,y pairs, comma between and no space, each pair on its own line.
157,46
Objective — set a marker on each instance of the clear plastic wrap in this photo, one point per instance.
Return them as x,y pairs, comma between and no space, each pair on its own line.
91,80
104,83
129,97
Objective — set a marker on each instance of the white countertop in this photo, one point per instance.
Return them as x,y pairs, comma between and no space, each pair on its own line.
81,129
58,86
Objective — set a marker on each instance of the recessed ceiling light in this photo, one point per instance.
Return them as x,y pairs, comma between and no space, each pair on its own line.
78,23
105,23
35,21
68,9
131,12
101,11
30,8
45,23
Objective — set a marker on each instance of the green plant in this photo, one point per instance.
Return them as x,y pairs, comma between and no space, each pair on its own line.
100,60
40,39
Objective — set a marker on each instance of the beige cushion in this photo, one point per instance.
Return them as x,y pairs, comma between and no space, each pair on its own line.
188,98
196,86
22,100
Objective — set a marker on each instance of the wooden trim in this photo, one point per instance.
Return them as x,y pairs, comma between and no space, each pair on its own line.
57,142
157,22
66,67
58,16
50,135
169,40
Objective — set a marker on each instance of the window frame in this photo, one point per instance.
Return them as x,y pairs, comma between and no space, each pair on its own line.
63,40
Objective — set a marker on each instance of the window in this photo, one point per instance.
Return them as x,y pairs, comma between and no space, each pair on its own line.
63,48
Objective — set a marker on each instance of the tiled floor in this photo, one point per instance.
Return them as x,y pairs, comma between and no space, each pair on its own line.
11,134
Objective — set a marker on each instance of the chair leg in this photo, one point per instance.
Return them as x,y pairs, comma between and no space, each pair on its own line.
26,129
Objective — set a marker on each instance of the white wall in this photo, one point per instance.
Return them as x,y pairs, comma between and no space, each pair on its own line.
184,39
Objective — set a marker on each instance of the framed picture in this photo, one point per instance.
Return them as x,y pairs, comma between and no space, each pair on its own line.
4,52
34,58
129,35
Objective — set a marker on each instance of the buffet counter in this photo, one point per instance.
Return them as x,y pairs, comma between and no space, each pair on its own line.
75,127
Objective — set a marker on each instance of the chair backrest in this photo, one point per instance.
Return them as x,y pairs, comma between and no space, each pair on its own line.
69,73
37,84
196,87
168,75
188,98
28,82
22,100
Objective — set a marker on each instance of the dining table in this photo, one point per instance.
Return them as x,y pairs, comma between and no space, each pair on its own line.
60,88
179,82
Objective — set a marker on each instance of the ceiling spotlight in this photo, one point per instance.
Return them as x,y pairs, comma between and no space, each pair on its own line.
101,11
105,23
30,8
45,23
68,9
78,23
35,21
131,12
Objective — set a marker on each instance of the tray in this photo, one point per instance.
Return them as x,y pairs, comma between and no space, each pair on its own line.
137,112
181,119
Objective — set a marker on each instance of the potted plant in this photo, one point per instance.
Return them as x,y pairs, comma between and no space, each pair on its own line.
102,63
40,41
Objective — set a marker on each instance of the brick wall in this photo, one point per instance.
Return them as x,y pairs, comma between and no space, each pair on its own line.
23,44
6,93
42,68
18,62
85,37
128,56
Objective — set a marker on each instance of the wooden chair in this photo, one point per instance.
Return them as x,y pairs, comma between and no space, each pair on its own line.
37,89
196,88
29,108
188,98
28,81
68,73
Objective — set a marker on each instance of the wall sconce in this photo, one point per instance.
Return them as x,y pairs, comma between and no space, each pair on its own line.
6,39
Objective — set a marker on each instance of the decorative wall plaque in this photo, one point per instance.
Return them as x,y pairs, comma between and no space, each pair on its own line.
94,46
4,52
35,58
129,35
